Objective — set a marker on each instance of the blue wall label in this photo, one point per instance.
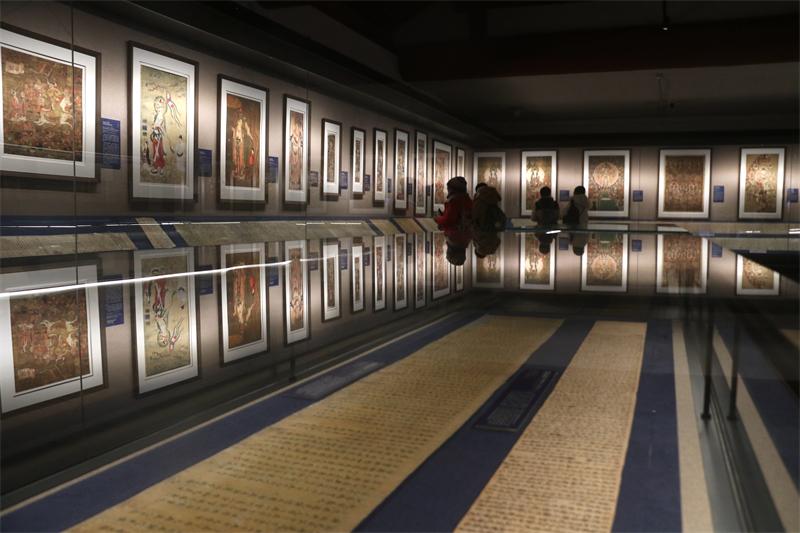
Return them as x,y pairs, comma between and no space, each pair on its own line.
388,253
313,178
563,243
205,281
272,177
636,245
366,257
206,158
389,186
792,195
563,196
638,196
111,153
427,190
409,189
115,311
274,272
409,249
719,193
716,250
343,179
343,260
366,182
313,261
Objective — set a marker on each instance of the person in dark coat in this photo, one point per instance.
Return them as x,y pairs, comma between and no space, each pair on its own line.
546,211
456,221
485,197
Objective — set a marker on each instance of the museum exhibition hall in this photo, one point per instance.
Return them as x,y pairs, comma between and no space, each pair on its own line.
234,296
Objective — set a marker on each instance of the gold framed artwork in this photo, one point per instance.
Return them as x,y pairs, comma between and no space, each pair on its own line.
761,183
754,279
442,172
422,173
50,98
165,318
331,282
379,273
243,293
379,159
420,269
681,263
331,156
400,272
400,169
357,282
461,162
296,115
684,180
295,275
243,140
606,177
50,335
604,263
488,271
440,268
490,168
537,269
163,142
539,169
358,142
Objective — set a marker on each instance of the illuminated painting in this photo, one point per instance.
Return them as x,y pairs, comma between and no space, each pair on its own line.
490,168
537,269
761,183
419,265
295,140
49,118
461,157
244,319
379,273
243,146
538,170
441,267
606,177
331,135
487,272
681,263
754,279
330,282
358,140
380,165
357,283
400,166
604,263
165,318
683,183
442,172
296,283
51,341
422,173
400,285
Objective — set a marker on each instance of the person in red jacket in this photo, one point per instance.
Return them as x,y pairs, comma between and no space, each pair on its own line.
456,221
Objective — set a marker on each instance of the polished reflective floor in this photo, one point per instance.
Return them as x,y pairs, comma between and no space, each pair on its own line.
376,375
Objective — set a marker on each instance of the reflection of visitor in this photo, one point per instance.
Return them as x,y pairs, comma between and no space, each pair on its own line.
546,211
578,241
458,207
486,243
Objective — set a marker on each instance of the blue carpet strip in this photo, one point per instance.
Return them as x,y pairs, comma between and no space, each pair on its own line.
84,499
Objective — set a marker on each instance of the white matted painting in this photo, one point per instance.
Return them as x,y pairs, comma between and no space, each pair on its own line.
754,279
357,282
331,283
331,156
684,180
537,264
488,271
538,169
400,169
379,158
442,172
379,274
420,269
604,263
295,149
607,177
400,272
458,272
461,162
761,183
681,263
296,293
490,168
51,341
243,293
422,173
440,269
358,141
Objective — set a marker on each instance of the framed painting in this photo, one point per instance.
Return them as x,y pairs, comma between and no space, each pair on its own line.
458,272
422,173
165,318
753,279
400,166
379,158
163,107
243,141
400,272
358,140
684,180
357,283
604,264
379,275
442,172
296,113
331,156
537,264
420,267
681,263
243,293
539,169
51,338
440,270
461,162
51,101
296,282
487,272
331,282
490,168
761,183
606,177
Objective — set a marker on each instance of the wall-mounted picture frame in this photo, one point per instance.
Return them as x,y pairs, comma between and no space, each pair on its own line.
488,271
400,272
538,169
442,172
357,282
421,159
607,178
400,168
461,162
358,143
295,273
420,269
379,273
684,182
604,263
331,282
165,318
761,173
681,263
490,168
244,301
331,156
296,121
537,263
458,274
51,340
243,120
162,121
754,279
45,82
380,154
440,268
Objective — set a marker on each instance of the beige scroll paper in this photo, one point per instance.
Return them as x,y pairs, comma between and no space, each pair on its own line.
157,236
46,245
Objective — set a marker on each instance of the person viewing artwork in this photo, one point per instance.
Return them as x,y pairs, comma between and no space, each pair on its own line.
578,210
546,211
458,207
